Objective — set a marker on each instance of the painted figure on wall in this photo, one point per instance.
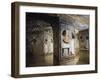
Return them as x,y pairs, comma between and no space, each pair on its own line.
65,43
72,44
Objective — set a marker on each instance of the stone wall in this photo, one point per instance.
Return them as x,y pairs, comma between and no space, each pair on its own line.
84,39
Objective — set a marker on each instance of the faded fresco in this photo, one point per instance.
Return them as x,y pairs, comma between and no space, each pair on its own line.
56,39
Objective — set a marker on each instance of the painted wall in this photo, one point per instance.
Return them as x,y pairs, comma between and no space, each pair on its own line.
69,24
39,38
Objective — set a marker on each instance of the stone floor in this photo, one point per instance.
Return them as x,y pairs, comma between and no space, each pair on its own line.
84,57
41,60
81,58
69,60
47,60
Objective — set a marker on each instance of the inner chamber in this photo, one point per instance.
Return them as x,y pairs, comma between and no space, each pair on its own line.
56,39
41,39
